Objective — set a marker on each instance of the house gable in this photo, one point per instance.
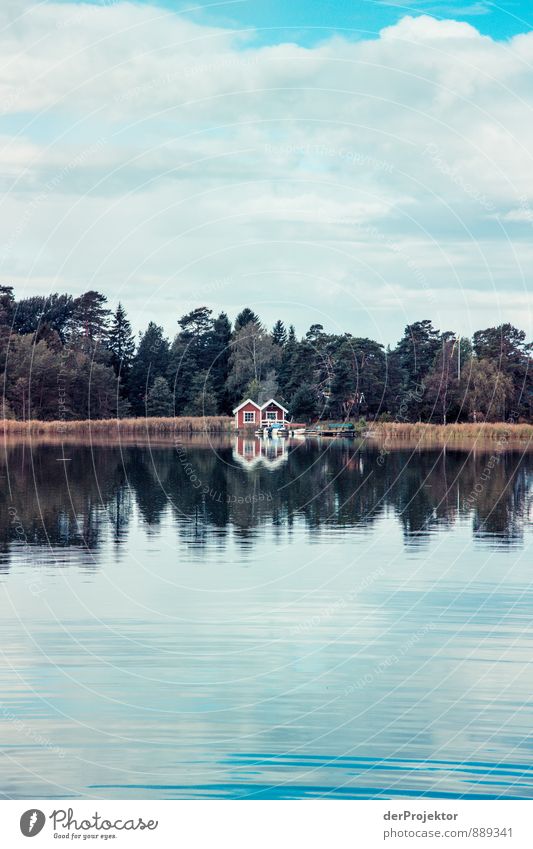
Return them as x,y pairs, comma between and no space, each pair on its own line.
245,404
273,404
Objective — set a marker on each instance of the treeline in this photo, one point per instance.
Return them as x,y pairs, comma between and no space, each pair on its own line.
63,357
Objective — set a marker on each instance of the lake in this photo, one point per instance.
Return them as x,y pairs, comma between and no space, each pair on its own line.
249,619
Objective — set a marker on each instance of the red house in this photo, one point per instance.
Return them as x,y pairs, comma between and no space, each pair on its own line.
273,413
247,414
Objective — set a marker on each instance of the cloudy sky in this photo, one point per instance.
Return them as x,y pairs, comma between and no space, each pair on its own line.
360,164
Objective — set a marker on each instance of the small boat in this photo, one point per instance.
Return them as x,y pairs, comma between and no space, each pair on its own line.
298,432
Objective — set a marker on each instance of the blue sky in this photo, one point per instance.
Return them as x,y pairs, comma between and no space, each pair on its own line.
361,165
308,21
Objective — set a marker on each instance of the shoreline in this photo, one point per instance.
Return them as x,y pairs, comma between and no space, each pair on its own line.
487,431
388,435
119,427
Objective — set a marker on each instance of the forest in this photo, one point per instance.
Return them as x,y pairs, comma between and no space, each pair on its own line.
70,358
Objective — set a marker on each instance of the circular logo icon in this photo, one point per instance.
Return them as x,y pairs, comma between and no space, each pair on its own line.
32,822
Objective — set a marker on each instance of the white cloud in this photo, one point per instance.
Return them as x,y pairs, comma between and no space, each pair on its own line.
523,214
426,28
152,157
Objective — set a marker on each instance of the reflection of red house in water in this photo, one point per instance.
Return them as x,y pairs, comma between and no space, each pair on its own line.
249,414
247,449
254,452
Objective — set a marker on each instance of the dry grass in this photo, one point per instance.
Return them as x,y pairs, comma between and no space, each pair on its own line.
121,427
499,431
223,425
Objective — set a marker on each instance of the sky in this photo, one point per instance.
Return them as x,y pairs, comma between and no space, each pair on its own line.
361,164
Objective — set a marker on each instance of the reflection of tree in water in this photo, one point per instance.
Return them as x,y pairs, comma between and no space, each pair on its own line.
432,489
424,490
206,493
146,472
58,501
501,507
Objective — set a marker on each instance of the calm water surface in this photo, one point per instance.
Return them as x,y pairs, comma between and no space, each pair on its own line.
268,620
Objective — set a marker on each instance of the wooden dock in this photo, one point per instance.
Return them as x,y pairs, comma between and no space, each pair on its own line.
332,430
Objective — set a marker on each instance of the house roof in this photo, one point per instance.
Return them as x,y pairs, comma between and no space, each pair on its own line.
244,404
273,401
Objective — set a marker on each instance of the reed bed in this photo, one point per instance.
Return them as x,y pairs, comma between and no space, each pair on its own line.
121,427
162,426
495,432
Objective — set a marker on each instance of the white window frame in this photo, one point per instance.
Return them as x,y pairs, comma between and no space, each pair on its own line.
271,416
246,418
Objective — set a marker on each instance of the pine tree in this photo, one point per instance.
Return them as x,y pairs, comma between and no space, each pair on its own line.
190,354
246,316
357,384
195,329
393,389
315,334
305,404
150,361
40,315
202,401
58,314
279,334
298,365
416,353
287,361
219,354
159,401
121,343
91,317
417,350
442,382
7,305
